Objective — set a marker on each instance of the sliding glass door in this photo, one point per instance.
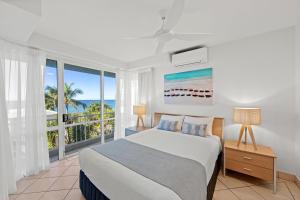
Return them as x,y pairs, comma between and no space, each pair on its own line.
109,90
51,103
84,112
82,102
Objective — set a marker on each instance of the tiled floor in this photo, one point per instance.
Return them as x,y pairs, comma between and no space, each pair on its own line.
61,182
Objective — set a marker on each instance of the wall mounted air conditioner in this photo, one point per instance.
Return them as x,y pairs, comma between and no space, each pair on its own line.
198,55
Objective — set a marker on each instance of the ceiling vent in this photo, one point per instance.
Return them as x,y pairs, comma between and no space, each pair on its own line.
189,56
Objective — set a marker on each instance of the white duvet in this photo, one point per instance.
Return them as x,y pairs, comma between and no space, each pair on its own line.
118,182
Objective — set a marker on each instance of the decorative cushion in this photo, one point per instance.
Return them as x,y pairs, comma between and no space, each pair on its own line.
201,121
167,125
178,118
194,129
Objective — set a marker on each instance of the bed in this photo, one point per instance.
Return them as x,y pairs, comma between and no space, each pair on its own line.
102,178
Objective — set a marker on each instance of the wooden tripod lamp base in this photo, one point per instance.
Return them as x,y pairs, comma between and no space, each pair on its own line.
139,110
245,129
140,118
247,117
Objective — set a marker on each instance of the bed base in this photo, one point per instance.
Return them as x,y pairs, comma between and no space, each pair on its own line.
91,192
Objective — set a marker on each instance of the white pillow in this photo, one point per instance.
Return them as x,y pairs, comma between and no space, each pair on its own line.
201,120
178,118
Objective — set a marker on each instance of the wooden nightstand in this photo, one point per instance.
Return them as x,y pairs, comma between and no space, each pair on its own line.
260,163
134,129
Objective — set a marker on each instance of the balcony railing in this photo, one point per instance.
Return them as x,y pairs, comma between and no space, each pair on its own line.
81,130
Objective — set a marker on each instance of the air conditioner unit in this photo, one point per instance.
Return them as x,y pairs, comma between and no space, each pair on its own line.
198,55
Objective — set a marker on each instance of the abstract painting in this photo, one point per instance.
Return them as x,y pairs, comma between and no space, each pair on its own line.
190,87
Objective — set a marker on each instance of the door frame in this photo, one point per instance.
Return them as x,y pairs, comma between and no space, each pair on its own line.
61,107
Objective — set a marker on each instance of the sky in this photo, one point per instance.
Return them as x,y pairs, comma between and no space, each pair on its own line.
88,83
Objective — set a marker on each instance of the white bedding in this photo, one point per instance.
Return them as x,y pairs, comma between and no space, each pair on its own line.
118,182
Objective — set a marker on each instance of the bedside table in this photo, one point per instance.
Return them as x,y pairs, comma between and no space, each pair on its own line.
260,163
134,129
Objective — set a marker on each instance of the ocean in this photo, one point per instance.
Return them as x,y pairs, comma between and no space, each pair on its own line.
110,102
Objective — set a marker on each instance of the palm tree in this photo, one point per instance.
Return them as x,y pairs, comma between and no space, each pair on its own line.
70,95
51,97
51,100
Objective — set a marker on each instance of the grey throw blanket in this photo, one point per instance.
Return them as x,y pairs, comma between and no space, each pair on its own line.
186,177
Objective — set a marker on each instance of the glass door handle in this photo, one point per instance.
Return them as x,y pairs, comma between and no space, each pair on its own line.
65,117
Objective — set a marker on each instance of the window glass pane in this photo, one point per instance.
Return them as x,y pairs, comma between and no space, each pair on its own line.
82,104
53,144
109,105
82,89
51,92
51,103
109,129
79,136
109,95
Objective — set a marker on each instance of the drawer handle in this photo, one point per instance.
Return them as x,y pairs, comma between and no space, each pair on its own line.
247,158
247,169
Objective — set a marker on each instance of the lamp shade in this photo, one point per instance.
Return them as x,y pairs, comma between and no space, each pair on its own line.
248,116
139,109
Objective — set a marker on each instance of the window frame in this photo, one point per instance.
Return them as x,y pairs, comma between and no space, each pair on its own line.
61,61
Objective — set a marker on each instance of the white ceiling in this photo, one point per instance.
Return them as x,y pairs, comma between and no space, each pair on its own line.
32,6
16,23
100,25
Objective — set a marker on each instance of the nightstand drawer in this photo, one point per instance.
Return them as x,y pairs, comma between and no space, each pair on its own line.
252,170
250,158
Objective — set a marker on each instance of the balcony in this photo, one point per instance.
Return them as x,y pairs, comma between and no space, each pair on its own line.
80,131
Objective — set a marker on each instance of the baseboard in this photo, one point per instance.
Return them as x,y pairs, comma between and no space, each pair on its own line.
286,176
297,182
289,177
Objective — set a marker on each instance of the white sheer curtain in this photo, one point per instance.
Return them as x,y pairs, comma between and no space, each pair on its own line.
7,174
133,87
127,96
145,93
22,70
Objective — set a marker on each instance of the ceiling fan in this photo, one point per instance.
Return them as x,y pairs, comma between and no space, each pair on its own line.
169,20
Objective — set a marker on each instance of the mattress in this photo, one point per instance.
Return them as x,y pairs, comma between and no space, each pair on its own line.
119,182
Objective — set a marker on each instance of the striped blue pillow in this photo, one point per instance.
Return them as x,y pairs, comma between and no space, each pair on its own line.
167,125
194,129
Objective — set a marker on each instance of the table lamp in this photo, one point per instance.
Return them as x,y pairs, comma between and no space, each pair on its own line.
139,110
247,117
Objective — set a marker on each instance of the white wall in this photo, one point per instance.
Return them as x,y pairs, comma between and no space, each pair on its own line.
256,71
32,6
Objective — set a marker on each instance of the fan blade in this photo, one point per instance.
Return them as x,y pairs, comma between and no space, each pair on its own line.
159,47
190,36
141,37
174,14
